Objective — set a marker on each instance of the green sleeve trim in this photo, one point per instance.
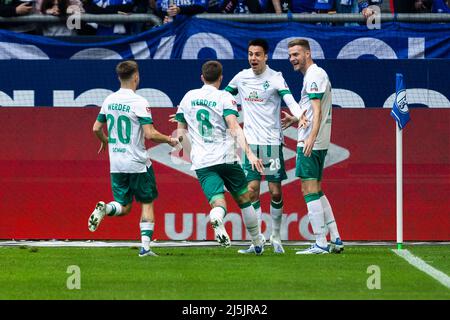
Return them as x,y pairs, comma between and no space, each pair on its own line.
227,112
180,117
146,120
315,95
284,92
233,91
101,118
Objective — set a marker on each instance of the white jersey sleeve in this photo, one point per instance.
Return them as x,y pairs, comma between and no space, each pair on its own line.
229,105
232,87
285,93
143,112
316,84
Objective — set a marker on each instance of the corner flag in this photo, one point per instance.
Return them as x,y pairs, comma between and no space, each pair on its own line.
400,111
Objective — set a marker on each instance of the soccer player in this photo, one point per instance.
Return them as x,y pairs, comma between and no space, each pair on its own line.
313,143
260,90
129,123
207,113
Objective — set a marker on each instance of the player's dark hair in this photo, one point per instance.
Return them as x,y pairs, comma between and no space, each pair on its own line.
211,71
259,43
300,42
126,69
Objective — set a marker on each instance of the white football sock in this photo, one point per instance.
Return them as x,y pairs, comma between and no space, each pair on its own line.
329,218
217,213
146,233
250,220
317,220
113,208
276,212
257,206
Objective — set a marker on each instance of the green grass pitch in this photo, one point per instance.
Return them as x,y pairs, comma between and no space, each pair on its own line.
215,273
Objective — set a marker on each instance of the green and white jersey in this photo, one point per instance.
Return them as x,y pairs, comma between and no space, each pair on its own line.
204,111
260,97
316,85
125,112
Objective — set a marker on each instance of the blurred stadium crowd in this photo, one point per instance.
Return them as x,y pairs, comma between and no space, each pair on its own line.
167,10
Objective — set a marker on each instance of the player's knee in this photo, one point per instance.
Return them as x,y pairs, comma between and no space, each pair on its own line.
244,198
253,192
276,196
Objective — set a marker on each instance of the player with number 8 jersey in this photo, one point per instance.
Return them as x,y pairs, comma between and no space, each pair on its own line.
210,117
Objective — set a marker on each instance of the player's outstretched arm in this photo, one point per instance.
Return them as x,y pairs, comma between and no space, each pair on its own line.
98,131
152,134
238,133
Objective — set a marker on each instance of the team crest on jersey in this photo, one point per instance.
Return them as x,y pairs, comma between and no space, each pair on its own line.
266,85
314,87
148,110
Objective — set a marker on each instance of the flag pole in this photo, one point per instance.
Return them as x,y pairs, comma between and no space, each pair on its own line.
399,184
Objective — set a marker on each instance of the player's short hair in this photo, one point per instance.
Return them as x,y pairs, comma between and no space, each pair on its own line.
300,42
126,69
259,43
211,70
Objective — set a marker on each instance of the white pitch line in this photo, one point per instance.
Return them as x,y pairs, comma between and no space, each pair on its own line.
424,267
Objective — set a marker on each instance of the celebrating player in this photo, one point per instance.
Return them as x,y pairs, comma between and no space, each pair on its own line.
207,113
313,142
260,90
129,124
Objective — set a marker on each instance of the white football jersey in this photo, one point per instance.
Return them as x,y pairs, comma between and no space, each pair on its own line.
204,111
125,112
316,84
260,97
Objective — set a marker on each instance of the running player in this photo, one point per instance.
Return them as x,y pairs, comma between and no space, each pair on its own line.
210,116
129,123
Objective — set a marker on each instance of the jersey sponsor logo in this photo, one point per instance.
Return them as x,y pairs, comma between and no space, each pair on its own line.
266,85
253,97
314,87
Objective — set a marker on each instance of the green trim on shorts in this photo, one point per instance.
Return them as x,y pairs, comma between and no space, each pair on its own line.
180,117
101,118
272,173
145,120
310,168
217,196
311,197
321,194
245,205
